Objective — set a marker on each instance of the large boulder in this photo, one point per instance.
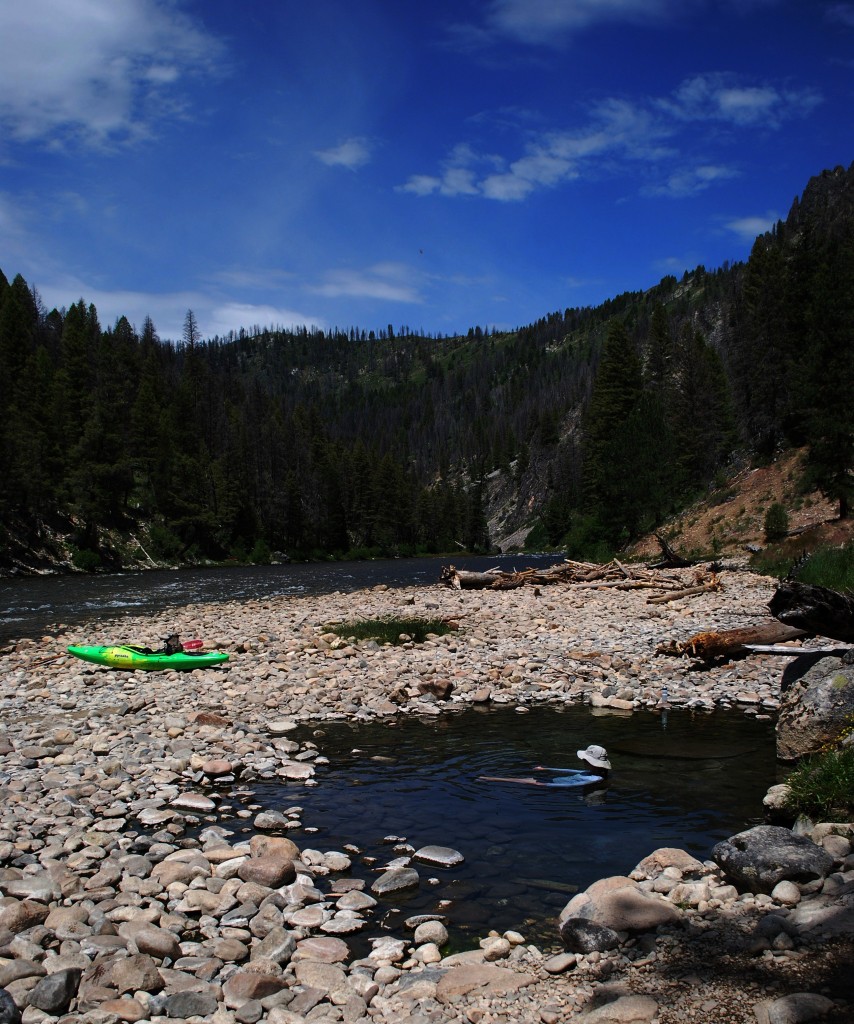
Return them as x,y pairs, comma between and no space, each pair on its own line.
814,708
619,904
761,857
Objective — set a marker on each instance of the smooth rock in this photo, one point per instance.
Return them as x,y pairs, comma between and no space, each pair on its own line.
484,979
619,904
245,985
798,1008
441,856
628,1009
126,1009
395,880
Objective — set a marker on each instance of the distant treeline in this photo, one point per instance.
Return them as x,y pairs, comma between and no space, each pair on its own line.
601,421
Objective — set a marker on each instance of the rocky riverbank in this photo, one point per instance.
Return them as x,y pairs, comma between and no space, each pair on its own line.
110,911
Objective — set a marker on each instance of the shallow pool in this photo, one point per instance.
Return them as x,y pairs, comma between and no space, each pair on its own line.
679,779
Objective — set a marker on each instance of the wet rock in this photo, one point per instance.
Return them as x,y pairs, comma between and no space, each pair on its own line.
431,931
395,880
270,821
441,856
196,803
763,856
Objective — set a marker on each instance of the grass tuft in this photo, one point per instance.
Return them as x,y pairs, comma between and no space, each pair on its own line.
822,786
831,567
393,631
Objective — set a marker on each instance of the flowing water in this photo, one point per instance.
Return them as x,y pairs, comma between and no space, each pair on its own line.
32,605
678,779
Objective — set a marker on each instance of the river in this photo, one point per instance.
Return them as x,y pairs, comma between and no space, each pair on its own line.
35,605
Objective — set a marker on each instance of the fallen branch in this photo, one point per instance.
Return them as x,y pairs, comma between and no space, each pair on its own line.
711,645
713,584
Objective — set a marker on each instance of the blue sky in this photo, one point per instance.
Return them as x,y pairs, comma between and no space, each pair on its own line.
437,165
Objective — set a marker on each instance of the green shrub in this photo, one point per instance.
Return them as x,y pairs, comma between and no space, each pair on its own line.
165,544
776,522
822,787
260,553
85,559
389,631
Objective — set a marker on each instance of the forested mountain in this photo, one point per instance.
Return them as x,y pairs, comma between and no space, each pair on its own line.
590,425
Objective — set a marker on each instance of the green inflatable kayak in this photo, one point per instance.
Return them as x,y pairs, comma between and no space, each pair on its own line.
130,657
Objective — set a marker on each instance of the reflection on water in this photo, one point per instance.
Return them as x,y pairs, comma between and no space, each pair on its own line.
528,848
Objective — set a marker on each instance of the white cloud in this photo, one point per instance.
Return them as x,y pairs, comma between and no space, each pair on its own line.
747,228
351,153
95,70
231,316
216,315
392,282
721,97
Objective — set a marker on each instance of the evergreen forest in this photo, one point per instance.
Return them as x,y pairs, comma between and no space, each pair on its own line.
586,428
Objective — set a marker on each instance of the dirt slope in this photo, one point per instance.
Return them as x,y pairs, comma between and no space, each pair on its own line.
733,517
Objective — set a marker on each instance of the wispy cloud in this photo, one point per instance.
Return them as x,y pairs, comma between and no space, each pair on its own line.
747,228
351,153
548,21
690,181
393,282
841,14
99,72
618,133
553,23
721,97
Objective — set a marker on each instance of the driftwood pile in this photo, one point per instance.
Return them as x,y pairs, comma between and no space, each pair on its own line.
583,574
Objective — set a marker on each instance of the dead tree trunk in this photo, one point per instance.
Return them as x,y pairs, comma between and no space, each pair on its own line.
815,609
730,643
670,560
